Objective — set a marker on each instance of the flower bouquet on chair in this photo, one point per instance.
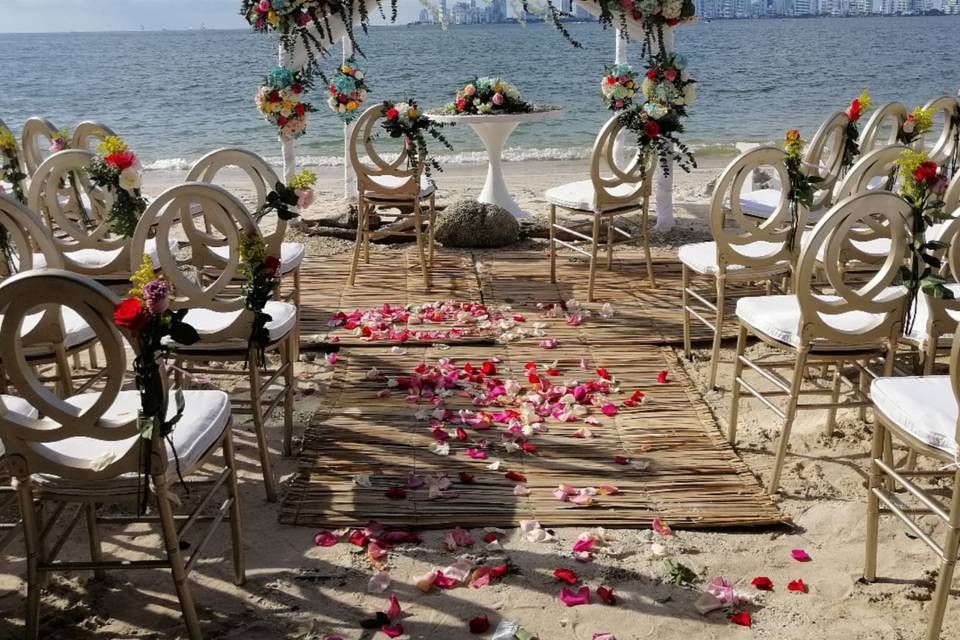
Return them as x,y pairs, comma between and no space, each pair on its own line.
10,168
348,91
851,149
405,120
280,100
917,124
802,184
485,95
657,127
117,170
618,86
261,274
286,199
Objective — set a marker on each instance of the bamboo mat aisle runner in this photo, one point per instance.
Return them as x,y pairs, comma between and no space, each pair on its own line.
694,478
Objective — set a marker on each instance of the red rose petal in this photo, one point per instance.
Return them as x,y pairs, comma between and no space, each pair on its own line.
490,536
480,624
396,493
743,619
621,460
662,378
797,585
465,477
606,595
566,575
516,477
763,583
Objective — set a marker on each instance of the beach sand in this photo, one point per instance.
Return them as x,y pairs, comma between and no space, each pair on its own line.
299,591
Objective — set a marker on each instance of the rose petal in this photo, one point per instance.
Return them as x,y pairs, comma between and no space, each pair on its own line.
521,490
800,555
603,635
325,538
392,631
572,599
480,624
606,595
797,585
584,545
425,582
763,583
742,619
662,377
661,528
566,575
621,460
396,493
379,582
516,477
393,610
465,477
489,537
609,409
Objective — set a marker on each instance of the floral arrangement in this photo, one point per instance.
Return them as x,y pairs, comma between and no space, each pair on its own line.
917,124
145,314
922,185
485,95
658,127
851,149
10,168
348,91
285,199
280,100
802,185
60,140
405,120
955,156
117,170
667,82
618,86
261,275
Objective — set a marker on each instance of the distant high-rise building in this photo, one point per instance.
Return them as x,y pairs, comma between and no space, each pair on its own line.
567,6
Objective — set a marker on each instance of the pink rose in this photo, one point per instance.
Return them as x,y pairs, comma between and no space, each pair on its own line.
670,74
618,104
940,187
58,144
304,198
908,126
498,99
264,6
469,90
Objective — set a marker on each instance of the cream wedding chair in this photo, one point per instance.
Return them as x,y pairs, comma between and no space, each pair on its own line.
216,309
612,190
944,148
859,322
36,138
922,413
88,134
390,184
264,179
749,250
882,127
87,449
822,156
23,183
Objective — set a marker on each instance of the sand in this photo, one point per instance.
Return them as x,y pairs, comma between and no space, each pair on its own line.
300,591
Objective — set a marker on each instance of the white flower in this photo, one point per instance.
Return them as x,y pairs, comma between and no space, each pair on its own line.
689,94
130,179
358,74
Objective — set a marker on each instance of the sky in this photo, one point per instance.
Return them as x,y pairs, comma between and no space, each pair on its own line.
114,15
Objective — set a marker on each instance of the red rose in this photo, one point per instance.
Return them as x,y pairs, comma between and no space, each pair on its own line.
296,88
300,109
129,314
333,89
611,80
342,98
461,104
652,129
652,74
274,96
392,113
926,172
672,22
303,19
281,121
121,160
272,264
854,111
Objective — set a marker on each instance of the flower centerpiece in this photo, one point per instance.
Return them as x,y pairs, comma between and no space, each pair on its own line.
280,100
802,184
657,127
668,82
348,91
117,170
146,315
405,120
922,185
285,199
618,86
261,275
917,124
851,149
10,168
487,95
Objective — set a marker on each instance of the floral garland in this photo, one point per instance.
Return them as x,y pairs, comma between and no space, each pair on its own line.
261,274
486,95
146,315
851,148
286,198
668,82
802,185
308,22
117,170
348,91
917,125
618,86
280,100
404,120
10,168
923,184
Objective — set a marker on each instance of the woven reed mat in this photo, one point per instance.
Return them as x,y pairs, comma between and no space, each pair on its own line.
692,478
516,278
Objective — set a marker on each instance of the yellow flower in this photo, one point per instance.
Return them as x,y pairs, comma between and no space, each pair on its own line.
922,120
303,180
273,18
351,106
908,161
412,113
345,68
142,276
630,84
794,143
7,142
865,101
111,145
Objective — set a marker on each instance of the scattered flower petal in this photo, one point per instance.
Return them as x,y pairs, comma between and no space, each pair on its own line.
480,624
743,619
325,538
516,477
566,575
763,583
797,585
661,528
379,583
662,377
606,595
800,555
572,599
521,490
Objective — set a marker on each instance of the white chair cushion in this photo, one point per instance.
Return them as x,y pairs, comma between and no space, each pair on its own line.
919,330
427,188
763,202
99,258
779,318
205,417
579,195
702,257
924,407
291,255
17,405
283,317
75,327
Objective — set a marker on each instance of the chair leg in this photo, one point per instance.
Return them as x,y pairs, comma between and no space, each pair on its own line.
645,236
553,244
32,542
950,548
94,361
594,247
172,544
64,373
930,355
433,225
366,236
296,328
685,303
788,421
236,530
269,484
864,388
610,228
361,222
834,398
718,331
418,231
873,503
93,537
286,355
737,373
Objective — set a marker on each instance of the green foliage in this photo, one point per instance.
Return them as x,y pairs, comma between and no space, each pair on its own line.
678,573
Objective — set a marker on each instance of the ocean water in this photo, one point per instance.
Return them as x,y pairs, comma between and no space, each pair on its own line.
178,95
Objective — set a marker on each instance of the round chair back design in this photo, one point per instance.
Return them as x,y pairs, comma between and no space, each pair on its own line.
951,197
886,215
614,185
823,156
36,138
89,134
874,170
379,176
882,127
945,146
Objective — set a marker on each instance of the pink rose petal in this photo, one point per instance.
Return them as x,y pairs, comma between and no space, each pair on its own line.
609,409
800,555
325,538
572,599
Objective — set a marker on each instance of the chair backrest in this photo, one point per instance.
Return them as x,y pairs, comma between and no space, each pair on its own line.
23,437
882,127
945,145
875,170
615,185
89,134
732,228
822,316
955,376
226,222
63,209
381,176
951,197
823,156
36,138
262,176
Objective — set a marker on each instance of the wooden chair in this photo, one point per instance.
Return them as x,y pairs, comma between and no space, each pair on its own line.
611,191
216,308
36,137
882,127
857,323
920,412
945,146
749,250
384,184
264,179
89,134
23,184
87,449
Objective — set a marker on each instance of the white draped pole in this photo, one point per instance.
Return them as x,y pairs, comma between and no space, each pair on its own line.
287,149
619,57
349,175
664,189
